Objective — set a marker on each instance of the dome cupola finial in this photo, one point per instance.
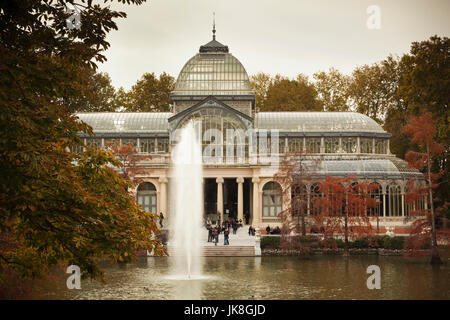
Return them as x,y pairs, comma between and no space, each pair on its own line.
214,46
214,26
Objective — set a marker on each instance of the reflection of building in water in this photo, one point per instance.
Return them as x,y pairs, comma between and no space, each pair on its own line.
213,90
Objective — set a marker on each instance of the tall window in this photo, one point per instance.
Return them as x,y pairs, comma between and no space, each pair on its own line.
366,145
133,142
271,199
313,145
94,142
295,144
376,194
349,145
331,145
381,146
146,197
282,144
163,145
299,200
393,201
147,145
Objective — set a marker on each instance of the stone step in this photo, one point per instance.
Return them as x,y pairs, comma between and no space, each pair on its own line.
228,251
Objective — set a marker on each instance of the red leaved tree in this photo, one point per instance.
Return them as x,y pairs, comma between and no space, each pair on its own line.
295,173
423,133
343,205
130,159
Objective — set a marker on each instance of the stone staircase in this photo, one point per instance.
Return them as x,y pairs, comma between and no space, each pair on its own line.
228,251
241,245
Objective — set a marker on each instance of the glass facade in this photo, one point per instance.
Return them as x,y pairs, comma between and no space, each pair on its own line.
331,145
381,146
295,144
349,145
366,145
313,145
393,201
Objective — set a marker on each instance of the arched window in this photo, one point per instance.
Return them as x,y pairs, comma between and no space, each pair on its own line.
315,193
146,197
393,201
271,199
221,131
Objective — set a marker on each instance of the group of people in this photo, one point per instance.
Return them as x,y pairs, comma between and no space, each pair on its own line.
275,230
225,227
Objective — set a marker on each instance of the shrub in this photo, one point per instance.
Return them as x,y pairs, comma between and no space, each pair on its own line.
359,243
270,242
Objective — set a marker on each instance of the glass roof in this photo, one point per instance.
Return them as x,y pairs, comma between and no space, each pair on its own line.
127,121
213,74
317,122
373,168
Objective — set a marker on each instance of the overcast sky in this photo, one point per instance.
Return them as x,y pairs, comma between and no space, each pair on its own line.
277,36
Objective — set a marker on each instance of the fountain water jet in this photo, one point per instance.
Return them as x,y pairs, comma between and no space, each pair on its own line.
185,245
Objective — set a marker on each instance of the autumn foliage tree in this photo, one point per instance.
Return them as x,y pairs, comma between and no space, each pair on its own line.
57,206
423,133
129,159
295,173
343,207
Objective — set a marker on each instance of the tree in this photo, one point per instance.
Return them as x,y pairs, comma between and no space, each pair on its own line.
343,205
332,89
284,94
425,88
295,173
130,159
151,94
57,206
97,94
423,133
372,88
260,84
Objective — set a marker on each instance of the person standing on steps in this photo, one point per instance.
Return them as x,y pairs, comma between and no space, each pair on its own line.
210,234
216,236
161,218
226,234
218,221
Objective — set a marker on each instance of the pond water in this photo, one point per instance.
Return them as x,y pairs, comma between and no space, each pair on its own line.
317,277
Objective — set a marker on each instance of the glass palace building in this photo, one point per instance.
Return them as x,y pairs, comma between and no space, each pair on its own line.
213,90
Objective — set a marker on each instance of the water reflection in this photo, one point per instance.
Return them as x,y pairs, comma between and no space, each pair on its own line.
319,277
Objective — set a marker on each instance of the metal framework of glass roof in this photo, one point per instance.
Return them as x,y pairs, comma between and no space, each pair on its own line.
392,168
213,74
293,122
126,122
317,122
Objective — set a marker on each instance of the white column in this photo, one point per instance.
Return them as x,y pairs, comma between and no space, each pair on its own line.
255,218
358,145
219,182
240,215
163,195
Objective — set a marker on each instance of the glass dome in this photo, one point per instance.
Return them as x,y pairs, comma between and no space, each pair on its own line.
213,73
